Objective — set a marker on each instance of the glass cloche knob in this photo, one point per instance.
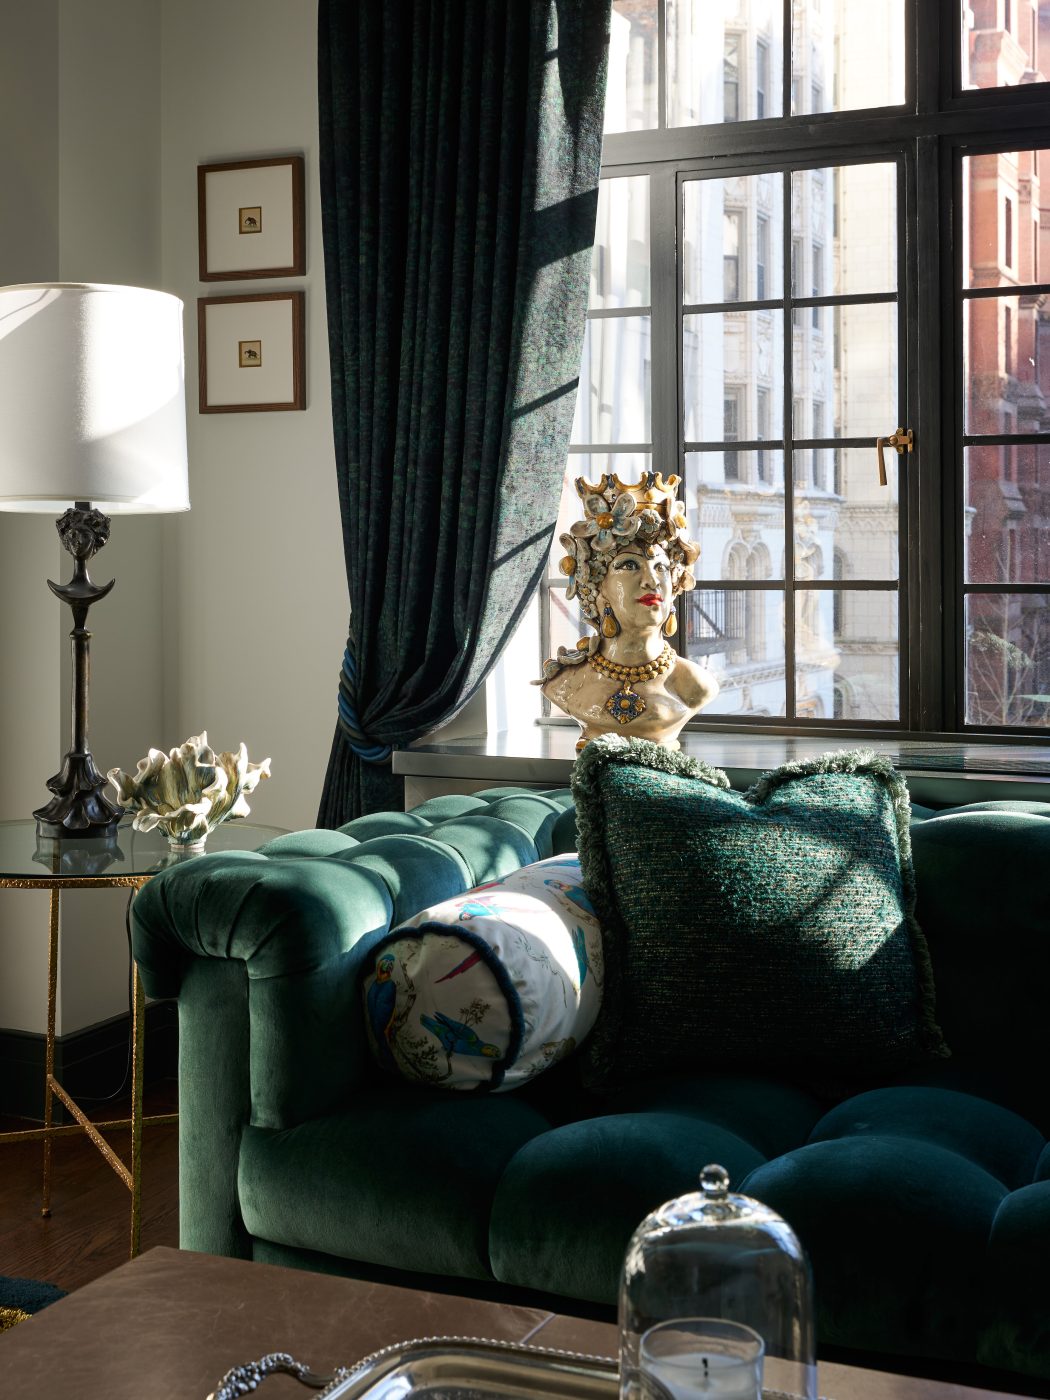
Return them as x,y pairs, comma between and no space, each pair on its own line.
714,1181
715,1301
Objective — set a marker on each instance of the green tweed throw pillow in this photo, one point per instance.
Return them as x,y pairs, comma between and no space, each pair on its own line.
772,928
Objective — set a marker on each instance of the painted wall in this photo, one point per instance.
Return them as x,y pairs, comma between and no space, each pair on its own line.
259,614
30,626
109,231
231,618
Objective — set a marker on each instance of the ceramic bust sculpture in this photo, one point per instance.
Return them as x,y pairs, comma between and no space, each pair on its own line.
627,561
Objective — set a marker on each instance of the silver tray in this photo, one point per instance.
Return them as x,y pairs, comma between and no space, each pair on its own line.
444,1368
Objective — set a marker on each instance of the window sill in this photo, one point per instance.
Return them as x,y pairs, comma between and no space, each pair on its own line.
939,773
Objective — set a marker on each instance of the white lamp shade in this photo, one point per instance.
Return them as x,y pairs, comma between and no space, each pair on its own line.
92,399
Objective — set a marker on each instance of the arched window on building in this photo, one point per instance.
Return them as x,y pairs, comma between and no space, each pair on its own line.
755,615
734,568
838,571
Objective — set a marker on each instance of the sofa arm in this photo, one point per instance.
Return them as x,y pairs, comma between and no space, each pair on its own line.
265,952
296,926
261,955
302,915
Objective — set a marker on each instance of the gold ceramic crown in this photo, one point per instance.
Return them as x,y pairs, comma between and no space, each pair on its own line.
649,490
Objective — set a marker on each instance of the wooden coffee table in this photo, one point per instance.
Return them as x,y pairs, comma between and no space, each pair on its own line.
169,1324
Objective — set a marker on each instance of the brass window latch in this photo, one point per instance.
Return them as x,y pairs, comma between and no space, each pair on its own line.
902,440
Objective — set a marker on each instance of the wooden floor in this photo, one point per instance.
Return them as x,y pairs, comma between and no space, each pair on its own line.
88,1232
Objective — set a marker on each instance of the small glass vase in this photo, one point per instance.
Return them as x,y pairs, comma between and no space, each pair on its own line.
179,846
716,1301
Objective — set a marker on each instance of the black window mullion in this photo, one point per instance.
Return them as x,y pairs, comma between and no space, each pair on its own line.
850,299
663,280
1013,586
952,401
1004,439
789,464
661,67
1007,289
612,313
919,250
929,77
595,448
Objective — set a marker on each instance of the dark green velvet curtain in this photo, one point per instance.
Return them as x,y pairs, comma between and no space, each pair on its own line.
460,150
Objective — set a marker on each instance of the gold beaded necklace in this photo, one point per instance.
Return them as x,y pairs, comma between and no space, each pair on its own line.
625,704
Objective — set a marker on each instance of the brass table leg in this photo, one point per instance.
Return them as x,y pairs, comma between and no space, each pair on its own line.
49,1062
130,1176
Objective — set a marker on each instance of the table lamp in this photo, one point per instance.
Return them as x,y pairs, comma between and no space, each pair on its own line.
92,414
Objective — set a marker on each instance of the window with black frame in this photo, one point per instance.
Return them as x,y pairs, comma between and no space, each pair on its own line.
792,261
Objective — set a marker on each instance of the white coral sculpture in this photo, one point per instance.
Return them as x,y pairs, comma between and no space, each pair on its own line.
188,791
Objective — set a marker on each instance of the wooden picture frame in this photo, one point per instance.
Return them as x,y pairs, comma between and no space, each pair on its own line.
251,352
250,219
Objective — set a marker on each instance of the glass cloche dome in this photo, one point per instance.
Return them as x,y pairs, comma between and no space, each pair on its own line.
716,1302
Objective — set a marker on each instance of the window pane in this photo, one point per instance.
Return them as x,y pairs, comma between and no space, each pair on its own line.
841,509
628,466
1008,659
1006,364
740,218
732,355
1001,42
565,622
630,96
620,261
848,655
855,375
613,400
732,497
741,632
1002,209
851,212
846,54
1007,519
732,223
723,61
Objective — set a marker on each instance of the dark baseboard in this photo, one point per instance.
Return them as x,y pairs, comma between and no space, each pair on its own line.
91,1064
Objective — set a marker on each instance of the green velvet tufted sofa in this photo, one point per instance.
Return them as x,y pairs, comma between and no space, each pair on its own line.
924,1202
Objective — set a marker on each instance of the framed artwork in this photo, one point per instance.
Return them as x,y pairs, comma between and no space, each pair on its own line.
250,219
251,352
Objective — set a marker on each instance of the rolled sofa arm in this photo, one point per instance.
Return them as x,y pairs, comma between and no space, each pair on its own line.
265,951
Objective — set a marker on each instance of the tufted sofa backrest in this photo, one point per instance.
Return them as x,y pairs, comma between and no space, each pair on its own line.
312,900
982,875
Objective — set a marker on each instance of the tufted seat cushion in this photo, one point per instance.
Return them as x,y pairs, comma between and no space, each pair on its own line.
920,1204
915,1176
640,1147
354,1184
923,1207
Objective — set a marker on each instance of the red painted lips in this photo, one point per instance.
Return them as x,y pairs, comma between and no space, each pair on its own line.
651,600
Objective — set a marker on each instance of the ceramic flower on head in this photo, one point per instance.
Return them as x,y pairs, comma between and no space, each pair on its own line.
188,791
607,524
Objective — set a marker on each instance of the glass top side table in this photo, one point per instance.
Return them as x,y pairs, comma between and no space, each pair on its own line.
32,862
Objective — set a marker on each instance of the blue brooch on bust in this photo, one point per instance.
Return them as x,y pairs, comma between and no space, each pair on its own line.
625,704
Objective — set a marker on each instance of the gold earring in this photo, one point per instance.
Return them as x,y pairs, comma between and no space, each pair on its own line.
671,625
610,627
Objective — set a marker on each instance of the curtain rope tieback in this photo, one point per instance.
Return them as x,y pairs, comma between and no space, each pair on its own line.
365,748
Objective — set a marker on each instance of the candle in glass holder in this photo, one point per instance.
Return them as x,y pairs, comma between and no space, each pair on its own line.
701,1358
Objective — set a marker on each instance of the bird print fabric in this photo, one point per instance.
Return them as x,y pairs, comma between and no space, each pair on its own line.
487,990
